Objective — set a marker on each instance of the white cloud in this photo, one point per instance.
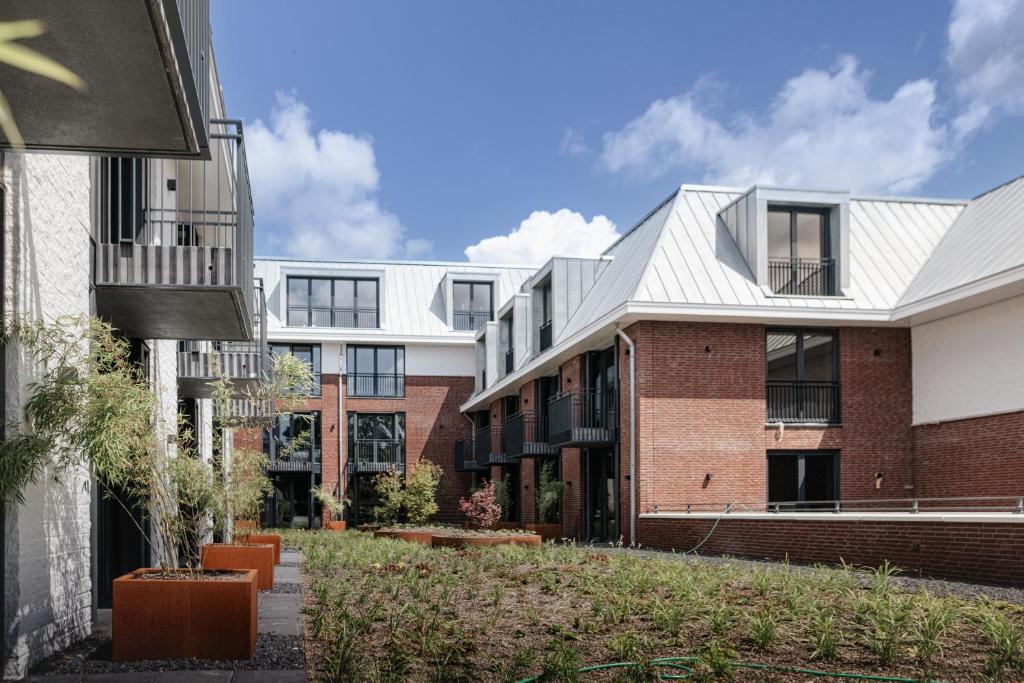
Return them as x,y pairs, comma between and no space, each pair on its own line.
573,143
986,53
543,235
823,128
319,190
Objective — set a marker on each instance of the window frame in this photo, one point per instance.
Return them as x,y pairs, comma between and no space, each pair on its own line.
473,284
315,420
316,361
801,369
352,370
801,503
309,279
793,210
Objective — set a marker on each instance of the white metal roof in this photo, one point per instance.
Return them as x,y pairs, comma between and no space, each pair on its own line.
987,239
412,293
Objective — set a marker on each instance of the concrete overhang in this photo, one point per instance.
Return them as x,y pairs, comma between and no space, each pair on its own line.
141,97
170,312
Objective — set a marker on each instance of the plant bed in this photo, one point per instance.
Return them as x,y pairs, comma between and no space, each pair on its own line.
266,539
410,535
547,532
507,526
242,556
465,540
369,528
336,525
204,615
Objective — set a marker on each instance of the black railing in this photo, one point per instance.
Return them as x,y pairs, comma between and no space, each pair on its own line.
585,417
467,321
303,316
296,459
545,336
802,402
376,385
489,448
466,457
376,455
802,277
510,361
526,434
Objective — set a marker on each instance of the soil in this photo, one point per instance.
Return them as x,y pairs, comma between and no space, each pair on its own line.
197,575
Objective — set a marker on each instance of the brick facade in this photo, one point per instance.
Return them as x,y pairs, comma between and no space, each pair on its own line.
959,550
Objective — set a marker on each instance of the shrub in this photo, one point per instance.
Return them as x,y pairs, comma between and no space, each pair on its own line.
420,496
389,491
481,509
549,494
326,496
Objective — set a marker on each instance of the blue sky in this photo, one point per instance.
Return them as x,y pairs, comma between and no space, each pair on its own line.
419,129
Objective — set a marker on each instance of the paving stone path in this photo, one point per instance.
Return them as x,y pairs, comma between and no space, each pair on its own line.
280,614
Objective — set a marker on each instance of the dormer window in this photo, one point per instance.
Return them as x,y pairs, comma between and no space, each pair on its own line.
473,305
546,315
800,260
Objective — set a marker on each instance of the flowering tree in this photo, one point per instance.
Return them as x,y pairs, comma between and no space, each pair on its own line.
481,509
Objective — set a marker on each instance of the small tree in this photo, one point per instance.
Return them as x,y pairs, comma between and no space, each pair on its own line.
390,494
420,497
481,509
246,487
549,494
328,498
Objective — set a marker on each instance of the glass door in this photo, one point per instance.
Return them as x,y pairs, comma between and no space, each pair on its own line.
601,501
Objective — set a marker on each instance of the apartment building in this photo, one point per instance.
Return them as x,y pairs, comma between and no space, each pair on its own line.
139,213
775,372
392,347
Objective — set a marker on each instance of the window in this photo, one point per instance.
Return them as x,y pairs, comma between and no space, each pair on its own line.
337,302
803,479
124,182
799,253
473,305
803,376
310,353
376,371
376,441
546,311
508,338
295,438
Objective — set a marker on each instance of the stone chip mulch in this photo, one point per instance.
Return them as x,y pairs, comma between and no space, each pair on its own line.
292,588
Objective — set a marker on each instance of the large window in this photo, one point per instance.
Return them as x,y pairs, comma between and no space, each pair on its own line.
803,376
376,441
473,305
802,479
333,302
295,438
376,371
310,353
799,254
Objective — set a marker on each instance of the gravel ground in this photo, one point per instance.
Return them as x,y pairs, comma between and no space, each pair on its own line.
287,588
290,564
92,656
910,583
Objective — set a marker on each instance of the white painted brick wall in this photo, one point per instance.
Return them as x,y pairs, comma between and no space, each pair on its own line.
48,581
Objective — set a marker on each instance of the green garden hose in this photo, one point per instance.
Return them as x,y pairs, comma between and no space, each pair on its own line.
683,665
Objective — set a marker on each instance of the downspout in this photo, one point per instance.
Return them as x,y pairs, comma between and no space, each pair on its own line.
342,422
632,435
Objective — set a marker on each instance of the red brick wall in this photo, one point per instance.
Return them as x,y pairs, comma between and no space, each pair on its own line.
432,425
977,457
572,494
988,552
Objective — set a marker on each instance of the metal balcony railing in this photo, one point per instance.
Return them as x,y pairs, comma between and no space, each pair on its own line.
802,277
510,361
526,434
489,446
816,402
304,316
465,457
376,455
582,418
376,385
468,321
545,336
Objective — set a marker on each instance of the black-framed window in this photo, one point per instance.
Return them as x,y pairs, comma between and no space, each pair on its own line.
554,466
799,251
295,437
376,441
508,332
472,305
310,353
802,479
377,371
802,375
333,302
546,315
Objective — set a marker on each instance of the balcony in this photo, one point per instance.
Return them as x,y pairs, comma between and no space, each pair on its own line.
488,447
802,277
465,457
241,412
376,455
146,66
510,361
357,318
466,321
802,402
294,465
174,252
246,364
526,435
586,418
372,385
545,336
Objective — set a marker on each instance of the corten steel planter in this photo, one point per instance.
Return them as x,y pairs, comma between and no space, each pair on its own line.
368,527
453,541
547,532
506,526
266,539
238,556
184,617
423,537
335,526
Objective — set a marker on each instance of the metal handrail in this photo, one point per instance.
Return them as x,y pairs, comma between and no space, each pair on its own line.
1014,504
378,385
802,276
469,321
